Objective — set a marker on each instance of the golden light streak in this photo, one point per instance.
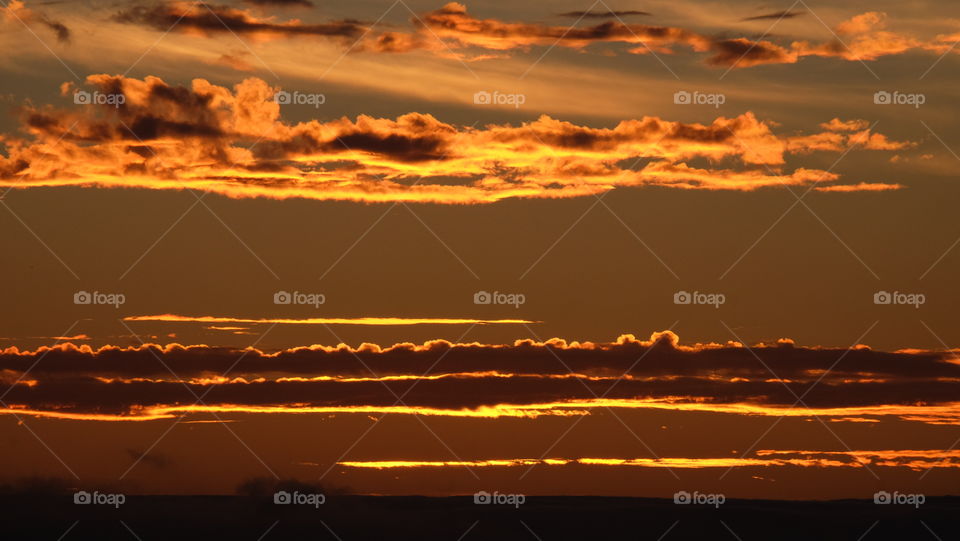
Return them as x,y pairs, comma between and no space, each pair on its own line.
329,320
940,414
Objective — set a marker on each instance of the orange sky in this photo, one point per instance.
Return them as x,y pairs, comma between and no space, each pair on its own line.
442,247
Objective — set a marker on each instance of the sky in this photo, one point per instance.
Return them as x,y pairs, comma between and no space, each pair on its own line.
608,248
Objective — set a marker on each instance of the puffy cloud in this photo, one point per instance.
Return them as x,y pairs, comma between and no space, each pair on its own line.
234,142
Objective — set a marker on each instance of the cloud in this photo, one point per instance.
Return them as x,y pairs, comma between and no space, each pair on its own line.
208,19
234,142
522,379
778,15
16,11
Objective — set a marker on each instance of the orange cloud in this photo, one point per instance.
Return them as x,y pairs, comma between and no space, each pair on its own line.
234,142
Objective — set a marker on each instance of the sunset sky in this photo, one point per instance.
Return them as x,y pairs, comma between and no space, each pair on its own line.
400,247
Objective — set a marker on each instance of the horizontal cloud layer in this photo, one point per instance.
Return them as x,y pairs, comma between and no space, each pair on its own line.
475,380
234,142
452,31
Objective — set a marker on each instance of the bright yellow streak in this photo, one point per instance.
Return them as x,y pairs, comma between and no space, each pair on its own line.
940,414
329,320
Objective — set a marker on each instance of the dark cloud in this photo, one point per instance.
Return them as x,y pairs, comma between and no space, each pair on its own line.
216,18
151,458
776,15
123,381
